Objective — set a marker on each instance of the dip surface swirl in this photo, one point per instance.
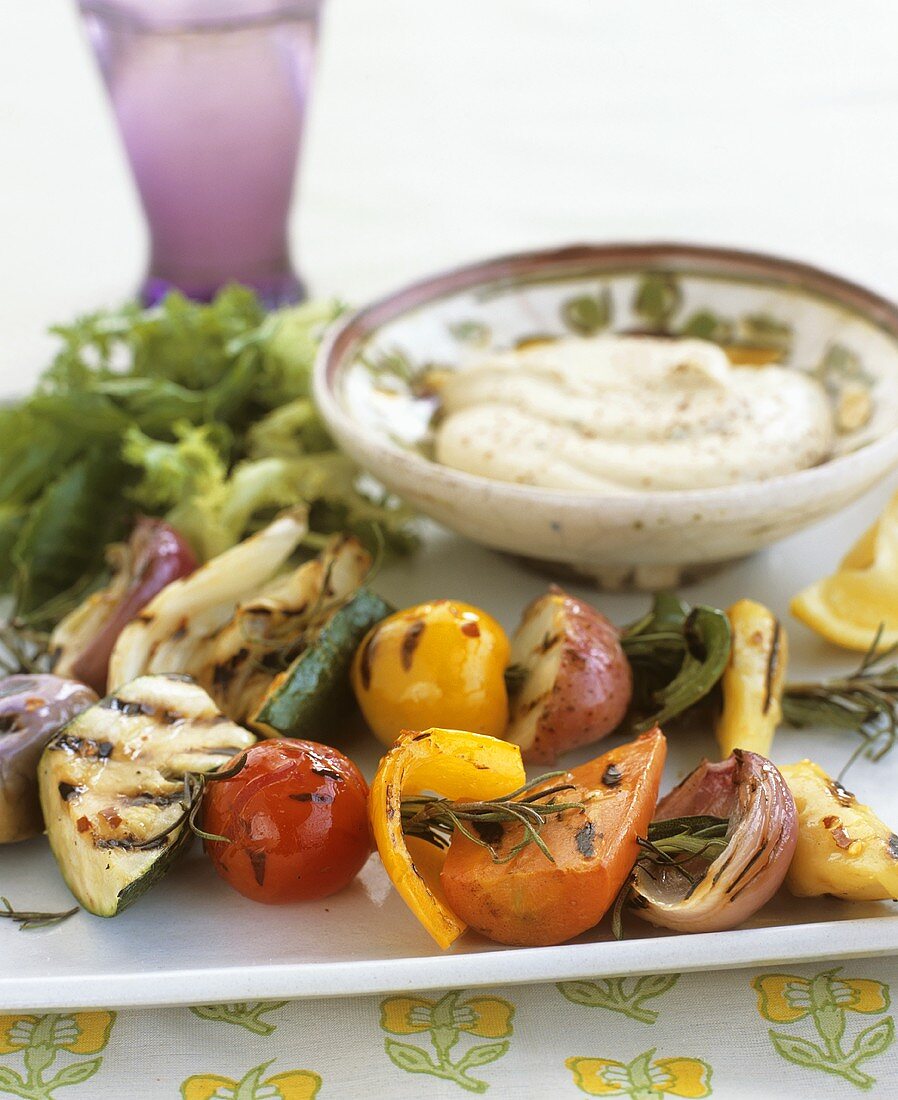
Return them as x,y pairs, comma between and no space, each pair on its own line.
625,413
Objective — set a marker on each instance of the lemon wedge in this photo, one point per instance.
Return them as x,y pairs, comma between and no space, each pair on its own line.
849,607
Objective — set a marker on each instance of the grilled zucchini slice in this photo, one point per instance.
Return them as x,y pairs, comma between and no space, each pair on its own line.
312,694
112,779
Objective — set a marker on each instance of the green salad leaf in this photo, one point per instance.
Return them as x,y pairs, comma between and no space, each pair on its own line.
66,530
198,412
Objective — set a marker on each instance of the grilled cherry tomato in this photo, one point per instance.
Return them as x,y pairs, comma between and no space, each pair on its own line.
296,819
440,664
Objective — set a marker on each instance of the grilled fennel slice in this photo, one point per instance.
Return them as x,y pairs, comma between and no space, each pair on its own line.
173,631
241,619
113,778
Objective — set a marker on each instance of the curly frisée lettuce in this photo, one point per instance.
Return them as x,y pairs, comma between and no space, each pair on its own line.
201,413
212,508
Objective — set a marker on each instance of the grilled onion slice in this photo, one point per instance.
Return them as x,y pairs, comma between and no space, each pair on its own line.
749,791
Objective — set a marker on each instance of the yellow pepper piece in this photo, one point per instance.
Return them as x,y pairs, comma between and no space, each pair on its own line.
848,607
437,664
753,681
456,765
843,847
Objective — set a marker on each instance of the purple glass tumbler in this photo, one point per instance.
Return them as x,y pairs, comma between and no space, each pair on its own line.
210,97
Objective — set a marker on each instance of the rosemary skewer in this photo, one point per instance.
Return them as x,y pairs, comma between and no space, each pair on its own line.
190,805
865,702
435,819
673,843
31,919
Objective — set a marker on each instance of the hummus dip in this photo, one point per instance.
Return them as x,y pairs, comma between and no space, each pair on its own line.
624,413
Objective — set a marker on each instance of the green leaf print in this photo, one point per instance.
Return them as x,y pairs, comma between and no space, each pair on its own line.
619,995
246,1014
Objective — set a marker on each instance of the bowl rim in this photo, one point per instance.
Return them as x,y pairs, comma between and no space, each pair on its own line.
360,324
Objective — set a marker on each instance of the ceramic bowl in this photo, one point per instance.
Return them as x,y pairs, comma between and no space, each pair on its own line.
761,308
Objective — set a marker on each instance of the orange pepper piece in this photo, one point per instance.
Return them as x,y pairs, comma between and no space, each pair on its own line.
533,901
456,765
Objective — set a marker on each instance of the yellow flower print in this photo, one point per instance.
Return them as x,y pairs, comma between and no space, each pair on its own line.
598,1076
78,1033
446,1020
825,999
405,1015
491,1017
488,1017
643,1078
93,1032
41,1040
297,1084
204,1086
14,1032
784,998
685,1077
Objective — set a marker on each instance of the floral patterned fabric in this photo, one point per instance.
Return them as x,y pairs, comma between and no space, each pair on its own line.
811,1032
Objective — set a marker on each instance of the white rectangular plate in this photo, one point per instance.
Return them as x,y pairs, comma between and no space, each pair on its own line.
194,941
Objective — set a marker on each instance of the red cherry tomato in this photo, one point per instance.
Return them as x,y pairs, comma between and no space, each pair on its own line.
296,818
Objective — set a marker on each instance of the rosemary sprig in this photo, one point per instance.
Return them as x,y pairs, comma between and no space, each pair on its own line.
674,844
435,819
26,919
191,804
864,702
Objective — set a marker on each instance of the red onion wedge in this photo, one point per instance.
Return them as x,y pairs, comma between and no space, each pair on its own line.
32,709
760,841
153,557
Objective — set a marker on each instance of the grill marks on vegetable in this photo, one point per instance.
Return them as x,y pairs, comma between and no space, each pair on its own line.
322,798
612,776
837,831
843,796
82,746
410,643
132,709
114,785
366,660
773,660
328,772
223,674
586,840
257,859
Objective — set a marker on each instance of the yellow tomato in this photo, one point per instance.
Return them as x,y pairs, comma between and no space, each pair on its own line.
437,664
